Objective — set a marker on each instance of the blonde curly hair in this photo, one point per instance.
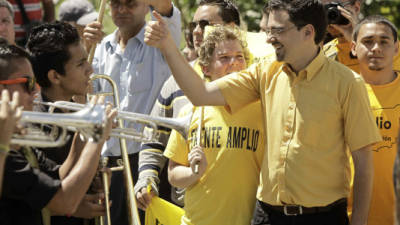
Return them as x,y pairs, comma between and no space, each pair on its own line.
218,34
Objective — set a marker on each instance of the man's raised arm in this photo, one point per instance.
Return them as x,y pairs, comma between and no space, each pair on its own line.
199,93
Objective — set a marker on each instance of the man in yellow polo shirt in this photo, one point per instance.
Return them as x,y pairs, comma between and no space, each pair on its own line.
340,47
316,113
375,44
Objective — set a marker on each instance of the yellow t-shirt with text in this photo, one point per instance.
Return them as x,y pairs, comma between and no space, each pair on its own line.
385,105
234,148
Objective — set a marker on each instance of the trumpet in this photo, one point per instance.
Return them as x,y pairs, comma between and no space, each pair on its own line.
181,125
89,121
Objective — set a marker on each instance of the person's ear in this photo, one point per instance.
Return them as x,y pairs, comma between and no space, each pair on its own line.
309,31
353,48
53,77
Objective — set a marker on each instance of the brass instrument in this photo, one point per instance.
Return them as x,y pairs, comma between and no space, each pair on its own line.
133,215
179,124
89,121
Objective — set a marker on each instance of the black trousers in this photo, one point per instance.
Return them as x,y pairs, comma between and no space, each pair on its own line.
266,216
118,210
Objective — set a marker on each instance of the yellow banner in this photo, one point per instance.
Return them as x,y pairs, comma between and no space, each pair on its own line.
161,212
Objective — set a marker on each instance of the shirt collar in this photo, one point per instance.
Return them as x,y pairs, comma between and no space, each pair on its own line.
312,69
112,42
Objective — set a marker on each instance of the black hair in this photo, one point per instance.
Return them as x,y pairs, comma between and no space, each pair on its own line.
48,45
377,19
228,10
302,13
9,55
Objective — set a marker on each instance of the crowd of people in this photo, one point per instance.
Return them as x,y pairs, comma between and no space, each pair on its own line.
307,133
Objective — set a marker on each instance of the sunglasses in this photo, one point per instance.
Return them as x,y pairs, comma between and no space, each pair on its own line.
202,23
28,81
128,4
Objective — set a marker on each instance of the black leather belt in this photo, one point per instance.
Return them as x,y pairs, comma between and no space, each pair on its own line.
294,210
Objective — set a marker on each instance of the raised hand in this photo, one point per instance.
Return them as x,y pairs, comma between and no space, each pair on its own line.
10,113
347,30
157,33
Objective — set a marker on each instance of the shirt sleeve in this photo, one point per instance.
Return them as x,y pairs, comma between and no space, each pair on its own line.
177,148
151,158
241,88
28,184
358,118
47,165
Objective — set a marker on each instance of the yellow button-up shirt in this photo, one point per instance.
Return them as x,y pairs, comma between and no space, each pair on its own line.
312,120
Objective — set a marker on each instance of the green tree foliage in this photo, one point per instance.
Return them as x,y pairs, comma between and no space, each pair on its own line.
388,8
251,10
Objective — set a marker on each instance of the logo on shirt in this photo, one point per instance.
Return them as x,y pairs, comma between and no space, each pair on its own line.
382,124
236,138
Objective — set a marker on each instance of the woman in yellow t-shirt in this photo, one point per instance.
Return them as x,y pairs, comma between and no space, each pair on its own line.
224,189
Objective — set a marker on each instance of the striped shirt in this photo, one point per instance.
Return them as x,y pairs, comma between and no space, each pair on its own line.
33,9
151,159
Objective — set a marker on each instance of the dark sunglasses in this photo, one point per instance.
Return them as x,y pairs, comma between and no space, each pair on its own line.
28,81
202,23
116,4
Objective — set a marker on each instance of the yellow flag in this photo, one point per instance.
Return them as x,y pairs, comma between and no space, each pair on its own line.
161,212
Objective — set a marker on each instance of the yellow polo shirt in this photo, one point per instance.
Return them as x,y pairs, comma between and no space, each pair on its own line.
311,120
341,53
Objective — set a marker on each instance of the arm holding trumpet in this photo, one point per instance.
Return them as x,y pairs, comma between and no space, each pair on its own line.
76,182
65,192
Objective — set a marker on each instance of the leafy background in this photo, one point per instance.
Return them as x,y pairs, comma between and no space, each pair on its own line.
251,11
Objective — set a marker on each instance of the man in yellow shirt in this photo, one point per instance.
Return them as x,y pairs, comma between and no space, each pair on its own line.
375,44
315,112
340,47
224,189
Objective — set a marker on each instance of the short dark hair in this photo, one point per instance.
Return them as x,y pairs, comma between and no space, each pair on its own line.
9,54
228,10
377,19
48,45
303,12
7,5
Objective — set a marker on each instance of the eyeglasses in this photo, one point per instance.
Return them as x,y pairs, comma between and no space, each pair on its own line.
28,81
276,31
202,23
